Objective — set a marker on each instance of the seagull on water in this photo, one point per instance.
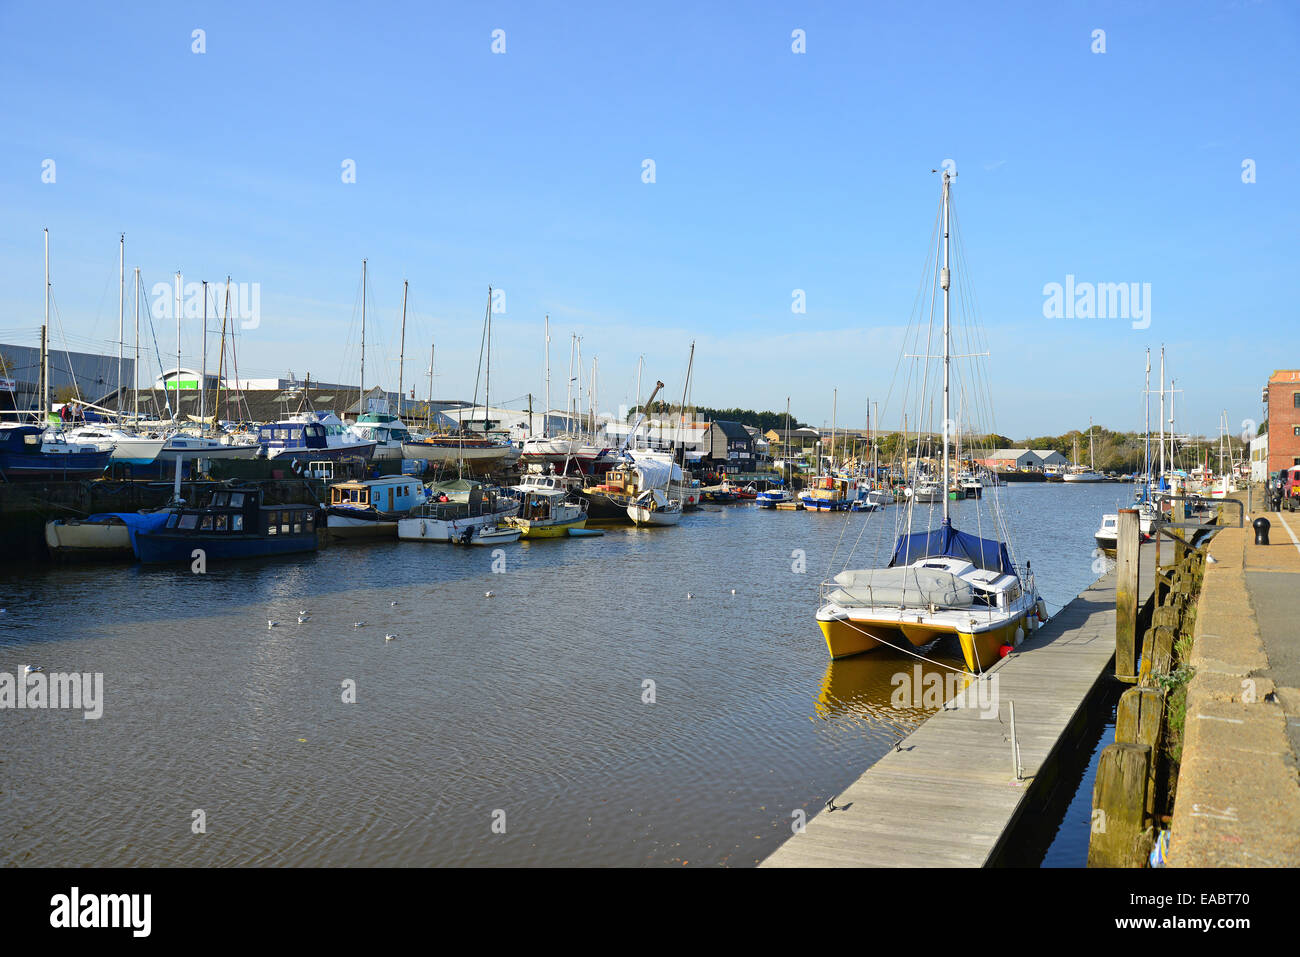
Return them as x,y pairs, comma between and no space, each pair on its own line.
389,637
358,624
32,669
487,594
270,623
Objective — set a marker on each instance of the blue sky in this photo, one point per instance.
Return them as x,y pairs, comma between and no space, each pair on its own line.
774,171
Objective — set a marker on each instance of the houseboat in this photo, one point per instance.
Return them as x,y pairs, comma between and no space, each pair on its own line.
547,513
371,508
230,523
830,493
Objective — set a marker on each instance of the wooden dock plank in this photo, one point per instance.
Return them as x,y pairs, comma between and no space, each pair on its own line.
947,796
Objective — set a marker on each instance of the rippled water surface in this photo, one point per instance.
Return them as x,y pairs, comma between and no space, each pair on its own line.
529,702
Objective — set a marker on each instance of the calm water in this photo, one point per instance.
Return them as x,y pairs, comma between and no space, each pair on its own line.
528,702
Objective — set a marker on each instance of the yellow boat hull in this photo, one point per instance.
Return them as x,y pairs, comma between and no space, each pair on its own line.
980,649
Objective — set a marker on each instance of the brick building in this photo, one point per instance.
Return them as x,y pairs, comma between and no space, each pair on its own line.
1283,419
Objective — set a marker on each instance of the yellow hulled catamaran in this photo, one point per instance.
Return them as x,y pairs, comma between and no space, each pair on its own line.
939,582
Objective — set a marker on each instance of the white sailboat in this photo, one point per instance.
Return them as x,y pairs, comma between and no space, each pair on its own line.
1082,473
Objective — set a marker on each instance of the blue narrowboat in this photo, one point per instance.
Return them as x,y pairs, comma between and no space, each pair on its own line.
230,523
311,440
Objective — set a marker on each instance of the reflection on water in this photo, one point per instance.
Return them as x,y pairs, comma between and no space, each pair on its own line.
532,702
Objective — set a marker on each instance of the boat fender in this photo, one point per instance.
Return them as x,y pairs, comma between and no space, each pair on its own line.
1041,608
1020,636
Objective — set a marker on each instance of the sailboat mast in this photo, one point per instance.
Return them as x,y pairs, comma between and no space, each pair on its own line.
487,376
546,416
45,340
361,389
203,374
135,367
945,280
1146,433
429,411
176,379
1162,412
121,316
401,354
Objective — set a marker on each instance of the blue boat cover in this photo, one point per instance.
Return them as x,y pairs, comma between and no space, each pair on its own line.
135,522
946,541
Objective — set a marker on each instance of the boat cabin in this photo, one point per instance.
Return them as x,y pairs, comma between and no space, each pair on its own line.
392,495
240,512
292,435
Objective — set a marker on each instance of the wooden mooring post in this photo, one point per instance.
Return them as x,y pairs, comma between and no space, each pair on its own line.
1119,805
1127,544
1138,720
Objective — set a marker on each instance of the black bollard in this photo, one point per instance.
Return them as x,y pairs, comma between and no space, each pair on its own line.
1261,526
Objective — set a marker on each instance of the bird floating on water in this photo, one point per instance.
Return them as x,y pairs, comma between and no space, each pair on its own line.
389,637
392,604
358,624
487,594
270,623
302,618
32,669
689,595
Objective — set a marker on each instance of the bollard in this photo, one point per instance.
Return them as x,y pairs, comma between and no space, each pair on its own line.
1261,526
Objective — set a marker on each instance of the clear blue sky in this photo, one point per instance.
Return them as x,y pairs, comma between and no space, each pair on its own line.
775,171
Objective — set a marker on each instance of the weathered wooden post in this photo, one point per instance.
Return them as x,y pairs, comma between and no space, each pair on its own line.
1128,537
1119,801
1138,718
1178,516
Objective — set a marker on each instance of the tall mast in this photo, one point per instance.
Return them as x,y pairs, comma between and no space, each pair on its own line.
835,398
176,413
135,367
1146,434
1162,412
546,416
786,456
945,280
401,354
121,316
429,410
203,369
487,375
45,340
639,363
221,358
361,390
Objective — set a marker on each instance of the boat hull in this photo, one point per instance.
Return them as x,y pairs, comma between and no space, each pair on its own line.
979,649
348,526
103,540
162,547
532,530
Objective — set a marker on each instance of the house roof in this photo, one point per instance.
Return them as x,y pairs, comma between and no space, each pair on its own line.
732,430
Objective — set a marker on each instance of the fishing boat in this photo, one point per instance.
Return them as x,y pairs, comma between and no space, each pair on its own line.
455,521
773,497
939,582
32,451
388,432
926,491
830,493
547,513
371,508
654,508
229,523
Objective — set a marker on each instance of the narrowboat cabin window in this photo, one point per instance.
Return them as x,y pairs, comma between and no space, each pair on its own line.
171,520
236,499
189,520
219,524
220,498
236,523
206,524
284,523
271,526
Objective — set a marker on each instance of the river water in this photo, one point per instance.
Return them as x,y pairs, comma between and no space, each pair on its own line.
514,729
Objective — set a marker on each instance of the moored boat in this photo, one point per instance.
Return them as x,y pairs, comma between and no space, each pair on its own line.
547,513
229,523
654,508
371,508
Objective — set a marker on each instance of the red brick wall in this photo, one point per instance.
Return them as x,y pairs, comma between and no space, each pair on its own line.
1283,420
